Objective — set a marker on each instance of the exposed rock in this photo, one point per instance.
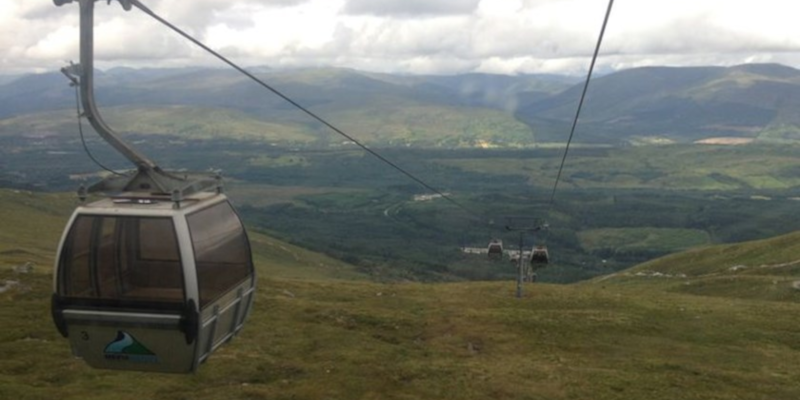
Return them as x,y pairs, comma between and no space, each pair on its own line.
473,348
6,285
26,268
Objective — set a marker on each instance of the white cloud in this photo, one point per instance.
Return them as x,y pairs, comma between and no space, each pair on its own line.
273,32
415,36
409,8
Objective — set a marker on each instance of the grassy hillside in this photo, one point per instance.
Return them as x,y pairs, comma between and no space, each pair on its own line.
377,124
220,104
183,122
316,337
31,226
762,270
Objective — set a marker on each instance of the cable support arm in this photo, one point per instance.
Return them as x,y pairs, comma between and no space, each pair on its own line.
148,176
85,72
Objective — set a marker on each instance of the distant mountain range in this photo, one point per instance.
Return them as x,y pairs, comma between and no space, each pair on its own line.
758,101
642,105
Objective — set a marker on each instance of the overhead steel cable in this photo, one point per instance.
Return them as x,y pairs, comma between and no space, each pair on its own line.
422,183
580,103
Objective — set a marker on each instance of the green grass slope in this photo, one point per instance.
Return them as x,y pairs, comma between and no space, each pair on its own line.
380,123
762,270
31,225
219,104
182,122
319,338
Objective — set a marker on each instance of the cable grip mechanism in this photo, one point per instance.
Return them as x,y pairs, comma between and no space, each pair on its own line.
126,4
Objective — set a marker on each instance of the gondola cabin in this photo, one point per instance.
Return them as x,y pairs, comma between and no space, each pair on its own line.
495,249
539,256
146,283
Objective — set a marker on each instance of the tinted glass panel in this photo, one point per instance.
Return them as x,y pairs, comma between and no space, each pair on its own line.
107,257
121,258
222,252
157,240
75,257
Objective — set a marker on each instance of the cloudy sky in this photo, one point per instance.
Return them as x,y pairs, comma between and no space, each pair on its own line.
409,36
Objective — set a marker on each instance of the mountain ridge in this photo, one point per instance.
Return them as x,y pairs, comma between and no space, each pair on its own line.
674,104
678,103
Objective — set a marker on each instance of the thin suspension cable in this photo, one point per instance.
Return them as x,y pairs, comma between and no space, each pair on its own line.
83,140
305,110
580,103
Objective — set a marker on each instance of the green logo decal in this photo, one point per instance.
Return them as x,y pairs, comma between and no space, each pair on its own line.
126,348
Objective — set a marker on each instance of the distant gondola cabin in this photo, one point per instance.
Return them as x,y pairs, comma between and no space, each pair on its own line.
540,256
495,249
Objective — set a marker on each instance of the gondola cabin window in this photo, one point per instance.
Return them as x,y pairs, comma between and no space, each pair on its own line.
221,251
75,263
127,259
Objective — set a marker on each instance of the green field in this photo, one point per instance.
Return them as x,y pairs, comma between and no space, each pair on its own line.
661,167
320,330
377,124
634,239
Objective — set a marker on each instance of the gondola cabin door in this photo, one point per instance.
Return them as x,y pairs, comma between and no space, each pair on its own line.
142,284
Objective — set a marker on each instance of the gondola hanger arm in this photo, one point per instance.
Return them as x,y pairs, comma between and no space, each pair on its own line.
85,75
149,177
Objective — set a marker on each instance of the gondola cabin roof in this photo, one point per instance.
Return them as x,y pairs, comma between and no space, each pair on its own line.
151,205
